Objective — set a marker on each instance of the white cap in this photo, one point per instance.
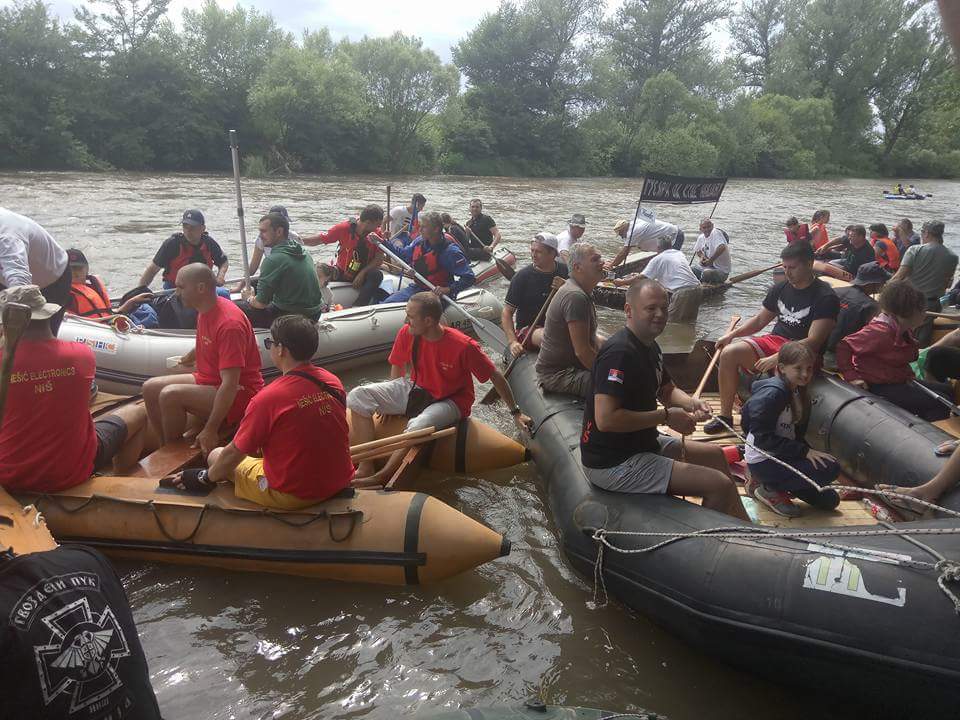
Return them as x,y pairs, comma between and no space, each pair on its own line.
30,296
548,239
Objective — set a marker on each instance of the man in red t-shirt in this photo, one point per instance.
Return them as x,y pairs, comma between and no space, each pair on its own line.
227,365
442,361
48,441
359,257
293,446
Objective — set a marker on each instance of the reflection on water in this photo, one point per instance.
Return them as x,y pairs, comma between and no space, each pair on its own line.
230,645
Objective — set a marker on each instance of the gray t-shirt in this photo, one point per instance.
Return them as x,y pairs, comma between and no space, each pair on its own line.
570,304
931,268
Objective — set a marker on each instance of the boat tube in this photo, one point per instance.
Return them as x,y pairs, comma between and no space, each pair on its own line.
536,710
22,529
799,605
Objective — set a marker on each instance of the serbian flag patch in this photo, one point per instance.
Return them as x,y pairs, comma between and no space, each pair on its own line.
615,375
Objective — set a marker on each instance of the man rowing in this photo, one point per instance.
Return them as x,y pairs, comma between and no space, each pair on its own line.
292,448
805,309
439,390
48,440
620,447
570,340
227,363
529,290
437,257
482,229
644,233
711,254
359,256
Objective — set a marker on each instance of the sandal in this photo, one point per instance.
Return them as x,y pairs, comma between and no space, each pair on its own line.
192,481
902,505
945,449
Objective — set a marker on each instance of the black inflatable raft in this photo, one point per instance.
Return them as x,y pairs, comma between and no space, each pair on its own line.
535,710
839,618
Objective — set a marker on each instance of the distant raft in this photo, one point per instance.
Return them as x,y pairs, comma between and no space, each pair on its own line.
391,538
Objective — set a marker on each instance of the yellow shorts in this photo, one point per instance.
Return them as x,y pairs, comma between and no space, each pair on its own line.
250,484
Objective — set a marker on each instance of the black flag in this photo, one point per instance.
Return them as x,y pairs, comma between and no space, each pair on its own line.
681,190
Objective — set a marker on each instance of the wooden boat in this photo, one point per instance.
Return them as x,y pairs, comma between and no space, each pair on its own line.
348,338
22,529
610,296
786,598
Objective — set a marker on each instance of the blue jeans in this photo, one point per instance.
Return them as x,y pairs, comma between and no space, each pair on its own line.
404,294
780,479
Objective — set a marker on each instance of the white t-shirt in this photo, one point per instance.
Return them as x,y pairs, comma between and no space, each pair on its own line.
398,216
671,269
564,241
28,254
646,232
709,245
267,250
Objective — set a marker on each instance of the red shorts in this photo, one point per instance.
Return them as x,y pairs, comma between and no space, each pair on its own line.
240,402
766,345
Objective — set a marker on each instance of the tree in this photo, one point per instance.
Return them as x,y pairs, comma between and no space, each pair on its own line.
757,31
124,28
405,83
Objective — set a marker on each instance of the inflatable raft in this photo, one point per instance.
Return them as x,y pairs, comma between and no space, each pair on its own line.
347,338
536,710
910,196
799,605
394,538
22,529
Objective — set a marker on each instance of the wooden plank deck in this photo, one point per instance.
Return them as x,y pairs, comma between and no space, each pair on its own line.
724,438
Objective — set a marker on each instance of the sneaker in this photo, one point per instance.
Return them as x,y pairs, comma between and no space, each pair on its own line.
779,502
750,487
714,427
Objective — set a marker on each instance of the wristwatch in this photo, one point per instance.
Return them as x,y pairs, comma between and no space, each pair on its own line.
515,411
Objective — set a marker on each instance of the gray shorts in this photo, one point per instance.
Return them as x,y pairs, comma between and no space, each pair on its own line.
641,473
390,398
572,381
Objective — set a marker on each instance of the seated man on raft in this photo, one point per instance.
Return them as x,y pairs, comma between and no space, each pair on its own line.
439,391
227,363
292,449
570,339
671,269
621,416
529,290
805,309
49,441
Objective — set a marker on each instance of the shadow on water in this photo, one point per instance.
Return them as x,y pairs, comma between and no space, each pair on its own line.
230,645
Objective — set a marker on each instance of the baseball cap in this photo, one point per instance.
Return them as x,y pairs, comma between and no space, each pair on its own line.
279,210
192,217
76,257
870,273
622,225
30,296
578,220
548,239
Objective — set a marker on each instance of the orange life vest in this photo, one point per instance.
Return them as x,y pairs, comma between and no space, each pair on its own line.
426,261
818,235
889,247
90,299
188,254
802,233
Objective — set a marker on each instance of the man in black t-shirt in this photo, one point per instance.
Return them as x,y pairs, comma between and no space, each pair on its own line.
193,245
483,228
528,290
805,309
620,447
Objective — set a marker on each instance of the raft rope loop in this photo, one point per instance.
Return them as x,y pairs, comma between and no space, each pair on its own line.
948,571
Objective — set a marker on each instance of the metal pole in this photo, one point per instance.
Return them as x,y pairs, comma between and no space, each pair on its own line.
235,152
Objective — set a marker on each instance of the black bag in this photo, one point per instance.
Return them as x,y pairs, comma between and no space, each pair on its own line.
68,644
173,315
419,399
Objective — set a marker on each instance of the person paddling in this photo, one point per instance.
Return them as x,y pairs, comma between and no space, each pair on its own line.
529,290
359,256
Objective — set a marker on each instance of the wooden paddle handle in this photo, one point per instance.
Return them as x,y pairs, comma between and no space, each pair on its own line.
752,274
391,440
734,321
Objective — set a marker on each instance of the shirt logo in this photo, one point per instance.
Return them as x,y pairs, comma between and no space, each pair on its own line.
792,317
615,375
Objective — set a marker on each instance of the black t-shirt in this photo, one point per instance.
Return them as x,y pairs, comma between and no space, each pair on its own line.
172,245
856,310
481,226
633,372
528,291
853,257
459,234
797,309
68,644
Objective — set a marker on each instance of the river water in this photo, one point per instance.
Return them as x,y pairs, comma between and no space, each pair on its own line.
223,645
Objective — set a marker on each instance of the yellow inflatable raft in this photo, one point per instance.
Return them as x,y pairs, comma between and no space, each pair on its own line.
393,538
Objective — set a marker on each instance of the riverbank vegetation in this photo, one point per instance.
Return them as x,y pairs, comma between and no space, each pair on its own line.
806,88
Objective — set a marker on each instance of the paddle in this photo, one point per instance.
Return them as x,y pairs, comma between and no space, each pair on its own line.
946,316
753,273
235,154
386,217
936,396
504,267
486,328
492,393
16,318
734,321
387,450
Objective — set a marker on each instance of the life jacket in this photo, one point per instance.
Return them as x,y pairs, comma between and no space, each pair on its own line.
188,254
90,299
353,263
426,261
823,237
885,244
802,233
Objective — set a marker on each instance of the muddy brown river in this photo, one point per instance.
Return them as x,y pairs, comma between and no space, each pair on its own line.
230,645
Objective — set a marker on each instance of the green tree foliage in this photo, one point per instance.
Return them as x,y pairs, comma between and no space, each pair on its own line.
806,88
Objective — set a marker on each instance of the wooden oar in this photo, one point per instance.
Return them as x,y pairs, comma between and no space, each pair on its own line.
16,318
492,394
946,316
734,321
387,450
504,267
753,273
413,434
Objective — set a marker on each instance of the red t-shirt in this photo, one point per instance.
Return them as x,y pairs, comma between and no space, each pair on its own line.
47,442
301,433
225,339
444,367
349,259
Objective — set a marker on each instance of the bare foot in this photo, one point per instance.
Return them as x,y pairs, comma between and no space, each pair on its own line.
365,469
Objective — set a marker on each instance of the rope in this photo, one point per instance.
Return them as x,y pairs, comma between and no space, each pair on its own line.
949,572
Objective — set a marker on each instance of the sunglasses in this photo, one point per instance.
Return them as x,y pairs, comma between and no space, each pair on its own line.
270,342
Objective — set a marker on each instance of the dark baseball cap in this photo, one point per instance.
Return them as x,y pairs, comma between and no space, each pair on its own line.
192,217
76,257
870,273
279,210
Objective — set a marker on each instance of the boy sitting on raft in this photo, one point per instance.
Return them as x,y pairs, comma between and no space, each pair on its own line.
774,419
292,449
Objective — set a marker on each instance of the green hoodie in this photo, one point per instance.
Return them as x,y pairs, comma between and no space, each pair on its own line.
288,280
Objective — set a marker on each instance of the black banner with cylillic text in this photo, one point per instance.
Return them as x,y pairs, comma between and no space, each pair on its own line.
676,189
